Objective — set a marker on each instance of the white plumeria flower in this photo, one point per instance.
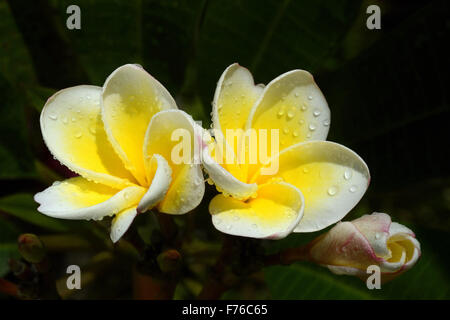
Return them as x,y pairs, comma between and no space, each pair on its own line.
352,246
118,139
316,182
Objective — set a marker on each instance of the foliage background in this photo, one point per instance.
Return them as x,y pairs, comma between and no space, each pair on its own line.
387,90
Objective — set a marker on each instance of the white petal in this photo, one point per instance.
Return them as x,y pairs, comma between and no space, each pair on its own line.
159,184
121,222
78,198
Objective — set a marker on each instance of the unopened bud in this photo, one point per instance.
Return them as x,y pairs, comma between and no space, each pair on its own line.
169,260
31,248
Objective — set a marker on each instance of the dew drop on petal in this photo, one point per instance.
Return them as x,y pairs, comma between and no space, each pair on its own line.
53,116
290,114
285,130
332,190
348,174
377,236
316,113
326,122
78,135
312,127
353,189
310,97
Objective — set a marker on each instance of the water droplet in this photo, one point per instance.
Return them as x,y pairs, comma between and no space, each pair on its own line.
353,189
53,116
326,122
74,119
332,190
295,133
301,121
308,135
377,236
65,121
280,112
348,174
312,127
316,113
285,130
310,97
78,135
305,170
92,130
304,107
290,114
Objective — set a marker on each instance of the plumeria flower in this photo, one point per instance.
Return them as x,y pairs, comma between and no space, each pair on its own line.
119,140
304,184
350,247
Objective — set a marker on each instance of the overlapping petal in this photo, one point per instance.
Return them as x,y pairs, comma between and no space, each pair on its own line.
174,135
73,131
272,214
130,98
78,198
331,177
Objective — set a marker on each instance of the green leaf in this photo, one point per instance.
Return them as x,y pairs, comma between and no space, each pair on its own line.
15,154
304,281
22,206
8,245
15,60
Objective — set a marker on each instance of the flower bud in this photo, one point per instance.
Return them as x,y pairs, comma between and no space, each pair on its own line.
169,260
31,248
351,247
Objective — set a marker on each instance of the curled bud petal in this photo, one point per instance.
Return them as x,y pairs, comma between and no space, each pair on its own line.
351,247
169,260
31,248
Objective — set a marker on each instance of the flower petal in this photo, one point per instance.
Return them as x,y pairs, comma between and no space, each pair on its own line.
273,214
331,177
121,222
375,227
73,132
160,176
131,97
343,245
225,182
293,104
235,95
174,135
77,198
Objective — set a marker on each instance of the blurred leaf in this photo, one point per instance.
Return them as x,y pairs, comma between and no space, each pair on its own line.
23,206
8,245
15,155
15,61
302,281
395,97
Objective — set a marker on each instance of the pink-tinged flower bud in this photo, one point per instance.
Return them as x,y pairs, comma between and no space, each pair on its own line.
350,247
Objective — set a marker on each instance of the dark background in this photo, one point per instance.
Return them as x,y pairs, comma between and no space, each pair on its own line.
387,90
